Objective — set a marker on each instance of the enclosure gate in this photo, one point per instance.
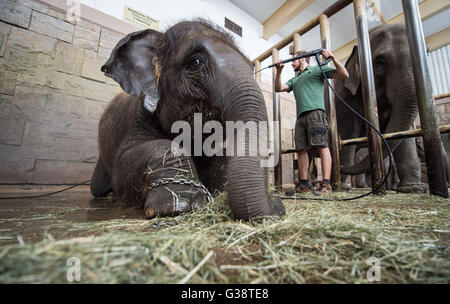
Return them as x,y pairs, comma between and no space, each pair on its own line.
431,137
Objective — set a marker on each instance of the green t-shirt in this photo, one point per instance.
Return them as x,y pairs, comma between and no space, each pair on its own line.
308,88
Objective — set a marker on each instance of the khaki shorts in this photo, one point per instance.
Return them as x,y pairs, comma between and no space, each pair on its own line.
311,130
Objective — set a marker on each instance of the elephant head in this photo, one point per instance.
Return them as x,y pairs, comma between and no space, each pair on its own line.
394,83
195,67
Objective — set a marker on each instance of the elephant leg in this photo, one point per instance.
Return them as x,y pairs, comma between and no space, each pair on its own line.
392,181
100,181
138,178
212,173
361,180
408,167
446,160
347,157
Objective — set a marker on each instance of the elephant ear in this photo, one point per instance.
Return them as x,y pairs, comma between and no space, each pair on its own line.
134,64
352,66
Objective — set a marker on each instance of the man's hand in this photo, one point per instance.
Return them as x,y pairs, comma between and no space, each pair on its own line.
341,72
279,87
279,66
327,54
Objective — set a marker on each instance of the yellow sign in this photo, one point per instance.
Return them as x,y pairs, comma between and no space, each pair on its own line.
140,19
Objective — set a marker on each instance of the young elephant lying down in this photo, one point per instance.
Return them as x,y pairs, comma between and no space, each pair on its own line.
191,68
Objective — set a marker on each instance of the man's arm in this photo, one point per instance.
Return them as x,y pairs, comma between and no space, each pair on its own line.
341,72
280,87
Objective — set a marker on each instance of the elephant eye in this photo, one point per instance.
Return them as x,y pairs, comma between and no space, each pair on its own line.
379,61
379,65
195,62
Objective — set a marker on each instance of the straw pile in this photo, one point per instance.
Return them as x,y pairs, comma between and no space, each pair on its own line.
316,242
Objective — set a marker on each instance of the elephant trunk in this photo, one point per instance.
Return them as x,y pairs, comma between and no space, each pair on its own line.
247,184
403,114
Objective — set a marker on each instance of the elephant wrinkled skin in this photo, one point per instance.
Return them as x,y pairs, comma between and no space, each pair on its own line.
191,68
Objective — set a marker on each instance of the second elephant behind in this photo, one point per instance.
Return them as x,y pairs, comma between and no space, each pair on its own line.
396,101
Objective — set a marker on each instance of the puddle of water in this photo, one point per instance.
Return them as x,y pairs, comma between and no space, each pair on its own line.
33,219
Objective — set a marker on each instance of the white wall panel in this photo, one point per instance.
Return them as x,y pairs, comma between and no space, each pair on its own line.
439,65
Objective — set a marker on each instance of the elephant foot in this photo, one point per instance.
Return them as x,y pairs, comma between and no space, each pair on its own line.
360,185
346,187
412,188
153,209
165,201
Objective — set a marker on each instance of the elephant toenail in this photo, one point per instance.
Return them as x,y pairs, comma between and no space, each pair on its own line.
150,213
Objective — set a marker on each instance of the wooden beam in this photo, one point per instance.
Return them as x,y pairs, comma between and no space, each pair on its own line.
434,42
344,51
377,10
428,9
330,11
438,40
284,14
395,135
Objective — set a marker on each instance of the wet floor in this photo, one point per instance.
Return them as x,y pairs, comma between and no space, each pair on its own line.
57,216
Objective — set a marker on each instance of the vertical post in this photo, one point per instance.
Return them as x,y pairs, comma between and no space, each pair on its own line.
257,68
369,94
428,120
297,47
297,42
330,107
257,65
276,121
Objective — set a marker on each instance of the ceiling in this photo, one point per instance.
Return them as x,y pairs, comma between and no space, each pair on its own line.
342,24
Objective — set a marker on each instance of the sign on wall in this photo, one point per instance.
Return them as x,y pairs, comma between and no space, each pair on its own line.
140,19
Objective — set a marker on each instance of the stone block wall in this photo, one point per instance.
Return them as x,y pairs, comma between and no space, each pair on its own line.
442,106
288,114
52,93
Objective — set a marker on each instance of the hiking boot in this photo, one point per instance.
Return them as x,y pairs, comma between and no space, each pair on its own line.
323,188
300,188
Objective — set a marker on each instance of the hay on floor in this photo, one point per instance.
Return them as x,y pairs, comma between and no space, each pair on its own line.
316,242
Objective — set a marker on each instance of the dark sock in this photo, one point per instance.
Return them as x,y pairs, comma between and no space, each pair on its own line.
304,182
327,181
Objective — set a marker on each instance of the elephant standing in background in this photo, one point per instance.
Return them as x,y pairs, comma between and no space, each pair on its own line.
193,67
396,100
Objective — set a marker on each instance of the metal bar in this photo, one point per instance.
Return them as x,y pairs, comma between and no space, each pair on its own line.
297,47
276,120
369,95
394,135
437,182
330,11
330,107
